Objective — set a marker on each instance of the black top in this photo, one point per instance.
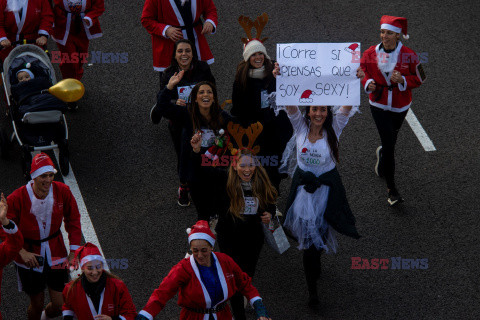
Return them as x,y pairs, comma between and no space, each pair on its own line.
227,223
181,115
247,104
200,71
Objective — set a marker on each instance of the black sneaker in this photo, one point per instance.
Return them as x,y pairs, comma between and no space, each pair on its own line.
183,199
394,197
155,115
379,164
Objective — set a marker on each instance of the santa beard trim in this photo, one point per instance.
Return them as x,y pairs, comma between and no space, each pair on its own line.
15,5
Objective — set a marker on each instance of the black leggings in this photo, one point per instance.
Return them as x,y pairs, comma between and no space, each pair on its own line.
388,124
313,268
246,254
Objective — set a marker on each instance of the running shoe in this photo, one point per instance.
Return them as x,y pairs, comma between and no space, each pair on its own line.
183,199
394,197
379,164
155,115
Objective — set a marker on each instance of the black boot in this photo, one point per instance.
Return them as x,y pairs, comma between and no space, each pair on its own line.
313,268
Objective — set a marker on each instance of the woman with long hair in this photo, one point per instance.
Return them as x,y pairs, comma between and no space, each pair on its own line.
203,120
254,82
389,71
317,203
96,293
183,58
251,203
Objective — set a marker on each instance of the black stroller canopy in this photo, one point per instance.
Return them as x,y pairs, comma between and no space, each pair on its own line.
36,67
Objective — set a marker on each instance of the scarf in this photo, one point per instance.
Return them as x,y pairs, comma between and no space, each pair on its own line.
94,290
257,73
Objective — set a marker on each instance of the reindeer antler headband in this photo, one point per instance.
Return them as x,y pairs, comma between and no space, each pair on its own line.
247,25
253,45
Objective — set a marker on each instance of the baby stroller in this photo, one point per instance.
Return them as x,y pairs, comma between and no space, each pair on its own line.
37,117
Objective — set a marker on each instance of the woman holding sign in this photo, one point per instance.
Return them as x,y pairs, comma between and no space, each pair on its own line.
183,58
251,202
205,121
317,205
389,71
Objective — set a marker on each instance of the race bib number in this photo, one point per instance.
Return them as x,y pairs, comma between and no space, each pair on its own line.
312,157
264,99
208,138
251,205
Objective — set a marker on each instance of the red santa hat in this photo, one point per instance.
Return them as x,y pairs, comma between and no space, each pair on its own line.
86,253
395,24
253,47
201,231
41,164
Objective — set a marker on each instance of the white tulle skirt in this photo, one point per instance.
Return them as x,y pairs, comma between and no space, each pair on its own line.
305,220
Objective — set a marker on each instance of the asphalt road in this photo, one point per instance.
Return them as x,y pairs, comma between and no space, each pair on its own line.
125,166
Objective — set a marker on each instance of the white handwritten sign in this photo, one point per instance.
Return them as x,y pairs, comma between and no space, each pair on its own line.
318,74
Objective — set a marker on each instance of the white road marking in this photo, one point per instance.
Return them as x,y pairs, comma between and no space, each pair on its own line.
417,128
85,221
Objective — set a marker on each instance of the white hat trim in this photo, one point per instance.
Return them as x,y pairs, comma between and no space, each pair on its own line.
43,170
201,236
92,257
391,28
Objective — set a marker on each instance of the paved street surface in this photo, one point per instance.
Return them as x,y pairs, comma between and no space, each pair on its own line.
125,166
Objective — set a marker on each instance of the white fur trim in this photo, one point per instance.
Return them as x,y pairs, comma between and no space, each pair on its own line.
42,170
366,86
403,87
146,314
44,33
390,27
164,32
213,24
68,313
73,248
201,236
91,258
3,38
122,317
11,231
88,21
252,301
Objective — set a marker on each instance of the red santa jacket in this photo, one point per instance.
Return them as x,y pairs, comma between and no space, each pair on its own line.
62,207
396,98
157,15
37,19
115,301
89,10
193,294
9,250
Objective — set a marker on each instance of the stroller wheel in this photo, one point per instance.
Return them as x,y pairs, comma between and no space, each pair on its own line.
26,162
64,160
4,143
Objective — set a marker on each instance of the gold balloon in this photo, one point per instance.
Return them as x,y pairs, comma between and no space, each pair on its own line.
68,90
